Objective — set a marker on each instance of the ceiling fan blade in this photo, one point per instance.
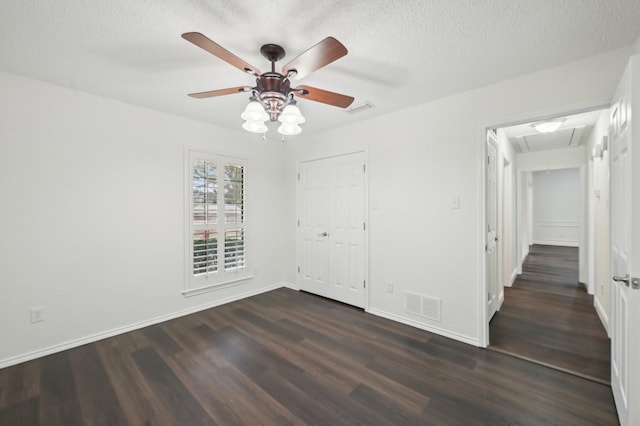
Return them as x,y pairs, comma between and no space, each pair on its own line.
221,92
324,96
316,57
215,49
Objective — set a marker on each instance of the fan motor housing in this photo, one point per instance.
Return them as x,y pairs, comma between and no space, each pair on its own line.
273,89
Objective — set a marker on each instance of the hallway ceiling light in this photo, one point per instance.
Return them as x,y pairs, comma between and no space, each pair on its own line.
547,126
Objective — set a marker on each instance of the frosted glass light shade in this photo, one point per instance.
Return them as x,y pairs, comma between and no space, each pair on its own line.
289,129
547,126
291,115
255,126
254,112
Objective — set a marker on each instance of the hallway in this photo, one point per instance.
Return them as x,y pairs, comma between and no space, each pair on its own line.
548,317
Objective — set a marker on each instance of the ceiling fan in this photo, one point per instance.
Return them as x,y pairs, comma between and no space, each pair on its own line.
272,98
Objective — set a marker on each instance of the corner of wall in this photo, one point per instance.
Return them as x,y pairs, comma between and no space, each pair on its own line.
602,314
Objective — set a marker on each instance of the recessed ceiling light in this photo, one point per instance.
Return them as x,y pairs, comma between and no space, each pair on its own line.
547,126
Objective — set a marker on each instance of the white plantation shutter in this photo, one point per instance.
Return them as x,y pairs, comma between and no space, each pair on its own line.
217,246
234,244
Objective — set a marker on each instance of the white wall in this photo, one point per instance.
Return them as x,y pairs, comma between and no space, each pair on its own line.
421,157
524,213
557,210
92,215
599,218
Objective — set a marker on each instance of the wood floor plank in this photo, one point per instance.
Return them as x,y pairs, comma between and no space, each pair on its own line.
25,412
19,383
224,391
97,399
137,400
225,343
58,399
161,340
297,400
382,405
183,407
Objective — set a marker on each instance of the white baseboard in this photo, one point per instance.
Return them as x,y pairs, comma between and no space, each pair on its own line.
604,318
426,327
512,278
522,260
556,243
131,327
291,286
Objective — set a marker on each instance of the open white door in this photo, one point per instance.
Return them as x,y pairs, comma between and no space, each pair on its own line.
331,228
491,255
625,245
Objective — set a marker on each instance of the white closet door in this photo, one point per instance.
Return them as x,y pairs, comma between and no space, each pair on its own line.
332,234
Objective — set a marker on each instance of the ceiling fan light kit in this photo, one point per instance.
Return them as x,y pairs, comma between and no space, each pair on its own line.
272,98
254,112
255,126
289,129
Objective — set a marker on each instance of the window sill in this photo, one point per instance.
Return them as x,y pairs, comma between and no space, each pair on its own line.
217,286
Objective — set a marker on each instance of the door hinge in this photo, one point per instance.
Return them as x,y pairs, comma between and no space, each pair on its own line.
364,226
298,223
488,162
298,176
488,297
365,283
364,167
298,269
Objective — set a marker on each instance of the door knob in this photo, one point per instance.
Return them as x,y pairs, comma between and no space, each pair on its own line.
624,279
324,234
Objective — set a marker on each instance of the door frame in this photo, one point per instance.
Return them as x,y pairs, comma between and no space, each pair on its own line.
317,157
483,326
494,293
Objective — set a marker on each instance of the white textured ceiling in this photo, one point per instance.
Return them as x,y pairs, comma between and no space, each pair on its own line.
401,53
573,132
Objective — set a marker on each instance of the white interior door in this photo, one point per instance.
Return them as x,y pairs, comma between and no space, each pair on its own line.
491,255
332,229
625,245
313,225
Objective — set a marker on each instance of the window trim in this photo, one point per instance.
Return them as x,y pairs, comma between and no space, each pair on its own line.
222,278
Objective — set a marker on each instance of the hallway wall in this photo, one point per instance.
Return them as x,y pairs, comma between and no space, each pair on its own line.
599,202
557,209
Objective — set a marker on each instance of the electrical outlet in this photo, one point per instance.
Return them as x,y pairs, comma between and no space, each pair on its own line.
389,286
37,314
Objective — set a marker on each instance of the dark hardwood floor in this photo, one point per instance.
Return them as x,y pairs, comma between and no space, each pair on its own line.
548,317
287,357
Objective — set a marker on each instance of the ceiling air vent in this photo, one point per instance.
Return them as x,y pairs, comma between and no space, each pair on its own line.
360,107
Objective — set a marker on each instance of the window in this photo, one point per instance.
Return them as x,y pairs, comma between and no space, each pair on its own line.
217,242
